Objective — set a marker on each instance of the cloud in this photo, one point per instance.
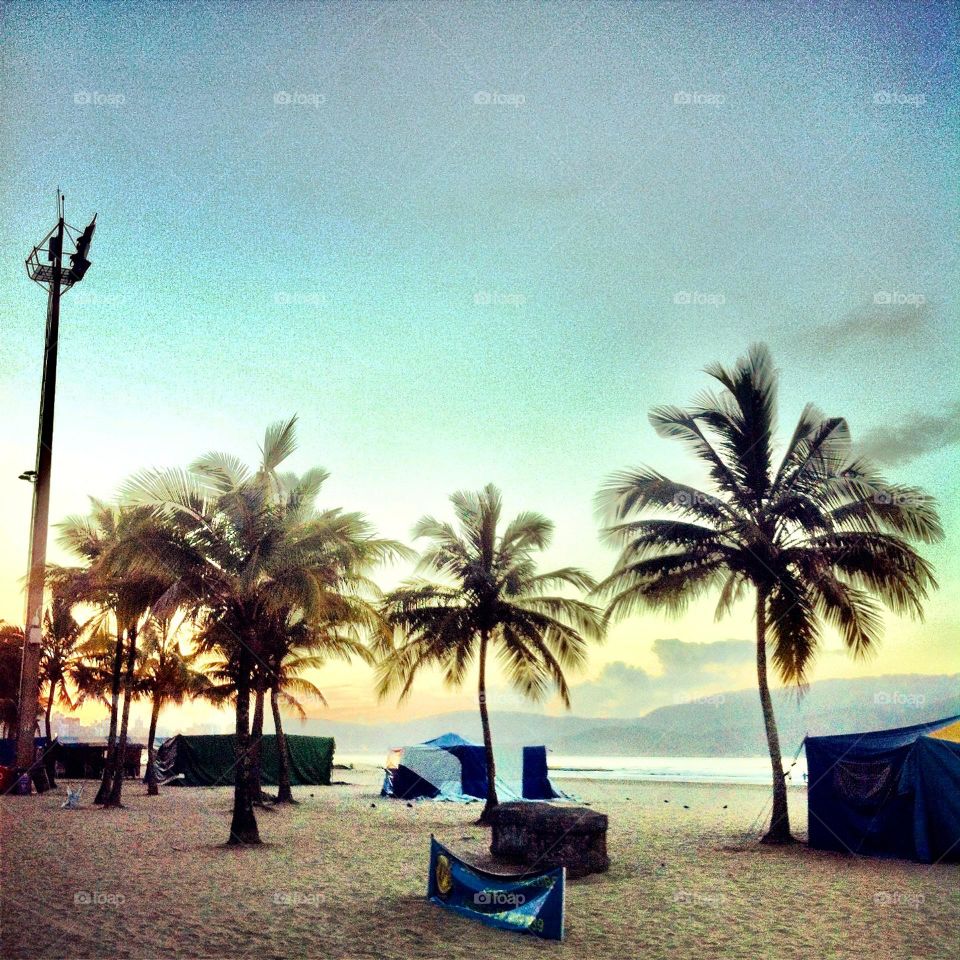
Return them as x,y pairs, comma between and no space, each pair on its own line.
919,434
872,321
684,657
689,670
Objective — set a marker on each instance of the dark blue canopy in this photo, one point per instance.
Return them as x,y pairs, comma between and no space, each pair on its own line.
886,793
536,779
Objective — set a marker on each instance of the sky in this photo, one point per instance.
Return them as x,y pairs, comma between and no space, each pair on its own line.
478,242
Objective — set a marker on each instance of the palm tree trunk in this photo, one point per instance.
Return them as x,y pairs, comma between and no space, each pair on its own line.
256,741
104,790
243,826
120,754
153,787
284,793
51,763
487,739
779,831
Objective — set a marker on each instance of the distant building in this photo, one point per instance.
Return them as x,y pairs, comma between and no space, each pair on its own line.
201,730
69,728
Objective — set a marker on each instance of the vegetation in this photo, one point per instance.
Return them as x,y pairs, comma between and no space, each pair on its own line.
819,538
167,674
61,658
242,548
296,646
125,594
11,654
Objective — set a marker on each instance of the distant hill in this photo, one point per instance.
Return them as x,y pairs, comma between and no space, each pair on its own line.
727,725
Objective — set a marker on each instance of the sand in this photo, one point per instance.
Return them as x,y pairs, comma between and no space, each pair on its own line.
339,878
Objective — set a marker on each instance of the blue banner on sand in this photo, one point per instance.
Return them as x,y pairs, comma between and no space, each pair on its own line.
527,902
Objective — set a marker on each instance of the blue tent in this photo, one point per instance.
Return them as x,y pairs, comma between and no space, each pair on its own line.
452,768
536,779
887,793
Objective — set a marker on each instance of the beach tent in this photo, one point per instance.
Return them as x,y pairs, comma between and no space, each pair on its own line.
452,768
887,793
209,761
536,780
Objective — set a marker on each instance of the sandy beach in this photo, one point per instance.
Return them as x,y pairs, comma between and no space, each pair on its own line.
343,875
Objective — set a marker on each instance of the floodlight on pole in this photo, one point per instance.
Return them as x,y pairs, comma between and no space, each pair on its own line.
44,267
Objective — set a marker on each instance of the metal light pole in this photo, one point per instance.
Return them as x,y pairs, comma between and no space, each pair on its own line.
45,266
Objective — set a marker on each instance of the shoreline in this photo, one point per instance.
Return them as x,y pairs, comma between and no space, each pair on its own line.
558,774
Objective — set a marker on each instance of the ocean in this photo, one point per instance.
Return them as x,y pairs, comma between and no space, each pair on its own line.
679,769
684,769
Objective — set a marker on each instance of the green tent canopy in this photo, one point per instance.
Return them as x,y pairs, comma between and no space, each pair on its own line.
210,760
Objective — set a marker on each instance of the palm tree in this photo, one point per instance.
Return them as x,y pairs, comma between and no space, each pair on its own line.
167,675
61,653
109,540
86,537
296,646
491,597
818,538
290,647
242,545
11,657
217,642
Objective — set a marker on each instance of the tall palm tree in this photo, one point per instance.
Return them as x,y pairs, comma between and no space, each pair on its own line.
819,538
491,597
242,545
168,674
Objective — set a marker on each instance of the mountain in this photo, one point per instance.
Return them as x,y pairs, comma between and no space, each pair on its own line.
724,725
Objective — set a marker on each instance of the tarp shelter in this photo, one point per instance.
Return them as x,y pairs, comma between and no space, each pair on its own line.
452,768
79,761
887,793
210,760
8,750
